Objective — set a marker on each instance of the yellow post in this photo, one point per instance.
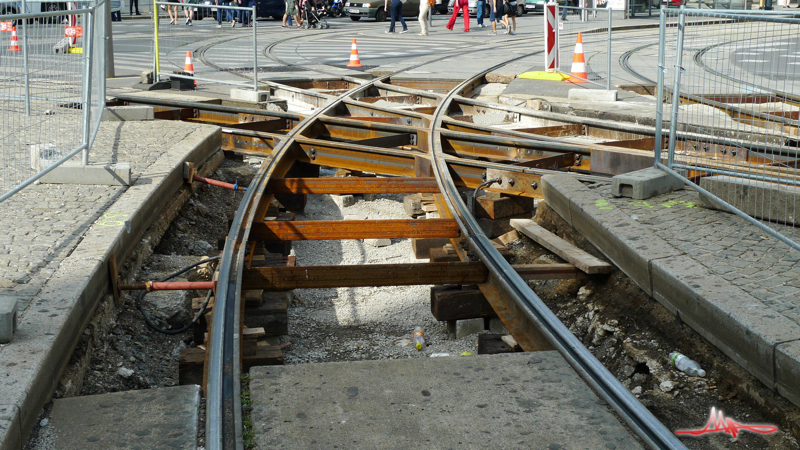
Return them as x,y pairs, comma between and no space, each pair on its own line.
155,37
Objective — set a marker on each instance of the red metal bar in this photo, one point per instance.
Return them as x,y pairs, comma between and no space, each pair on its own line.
219,183
169,286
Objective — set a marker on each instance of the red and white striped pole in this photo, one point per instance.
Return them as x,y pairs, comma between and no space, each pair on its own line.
551,37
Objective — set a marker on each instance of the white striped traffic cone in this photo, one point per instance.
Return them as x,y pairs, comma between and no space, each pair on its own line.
14,45
578,70
354,61
188,66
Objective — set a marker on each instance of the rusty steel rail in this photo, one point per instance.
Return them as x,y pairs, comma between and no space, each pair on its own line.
403,143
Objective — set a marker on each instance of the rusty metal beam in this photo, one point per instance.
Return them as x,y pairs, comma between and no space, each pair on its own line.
285,278
352,185
322,230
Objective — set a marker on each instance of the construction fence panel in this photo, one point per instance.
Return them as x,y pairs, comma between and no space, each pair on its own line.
222,46
593,26
52,92
731,96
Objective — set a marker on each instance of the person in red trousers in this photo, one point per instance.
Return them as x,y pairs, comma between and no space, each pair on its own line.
462,5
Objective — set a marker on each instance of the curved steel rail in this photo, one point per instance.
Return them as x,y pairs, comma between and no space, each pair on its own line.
596,375
223,419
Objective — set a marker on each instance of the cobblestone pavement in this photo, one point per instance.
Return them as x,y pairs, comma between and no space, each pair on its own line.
43,223
756,262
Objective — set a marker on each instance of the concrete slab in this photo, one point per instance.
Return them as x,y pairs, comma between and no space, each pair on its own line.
592,95
787,370
628,244
164,418
10,435
731,319
643,184
123,113
249,95
508,401
760,199
118,174
8,318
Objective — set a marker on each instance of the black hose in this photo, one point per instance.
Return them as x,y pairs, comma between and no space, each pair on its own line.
202,311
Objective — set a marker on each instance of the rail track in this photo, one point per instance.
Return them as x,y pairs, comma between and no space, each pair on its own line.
428,143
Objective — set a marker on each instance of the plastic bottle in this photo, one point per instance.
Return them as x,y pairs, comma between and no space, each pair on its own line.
686,365
419,338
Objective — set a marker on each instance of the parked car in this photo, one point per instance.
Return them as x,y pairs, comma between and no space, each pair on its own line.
473,7
537,6
15,7
375,10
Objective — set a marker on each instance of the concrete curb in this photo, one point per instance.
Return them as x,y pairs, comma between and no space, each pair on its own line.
763,342
32,365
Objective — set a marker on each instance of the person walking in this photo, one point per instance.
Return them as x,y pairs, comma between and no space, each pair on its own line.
481,6
172,10
188,11
220,11
424,16
135,5
494,16
462,5
564,9
510,16
291,11
397,12
239,12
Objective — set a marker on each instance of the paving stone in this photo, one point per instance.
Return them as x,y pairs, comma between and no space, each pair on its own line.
443,403
148,419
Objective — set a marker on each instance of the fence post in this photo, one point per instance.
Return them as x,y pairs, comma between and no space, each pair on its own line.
608,52
24,33
676,94
662,33
88,36
255,50
156,62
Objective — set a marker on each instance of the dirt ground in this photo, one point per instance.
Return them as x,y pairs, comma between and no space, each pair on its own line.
632,335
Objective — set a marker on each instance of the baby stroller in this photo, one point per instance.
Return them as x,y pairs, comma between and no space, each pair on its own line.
313,17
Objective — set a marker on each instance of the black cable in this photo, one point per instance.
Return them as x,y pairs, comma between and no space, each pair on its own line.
202,311
481,186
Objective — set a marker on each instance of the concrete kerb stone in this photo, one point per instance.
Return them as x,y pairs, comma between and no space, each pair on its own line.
787,370
47,334
628,244
10,431
731,319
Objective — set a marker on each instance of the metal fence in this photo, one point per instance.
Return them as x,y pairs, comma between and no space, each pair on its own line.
223,47
732,78
594,27
53,88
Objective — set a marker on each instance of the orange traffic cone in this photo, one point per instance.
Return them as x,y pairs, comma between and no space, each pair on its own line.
14,45
354,61
578,70
188,66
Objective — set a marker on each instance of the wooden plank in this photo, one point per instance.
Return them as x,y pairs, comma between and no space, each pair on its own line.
560,247
548,271
282,278
253,333
458,303
352,185
190,366
500,207
265,355
315,230
513,317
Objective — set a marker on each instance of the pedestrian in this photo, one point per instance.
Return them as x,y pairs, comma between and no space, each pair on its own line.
424,16
510,13
220,11
574,4
494,16
397,12
462,5
290,11
240,13
481,6
135,5
172,10
188,11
